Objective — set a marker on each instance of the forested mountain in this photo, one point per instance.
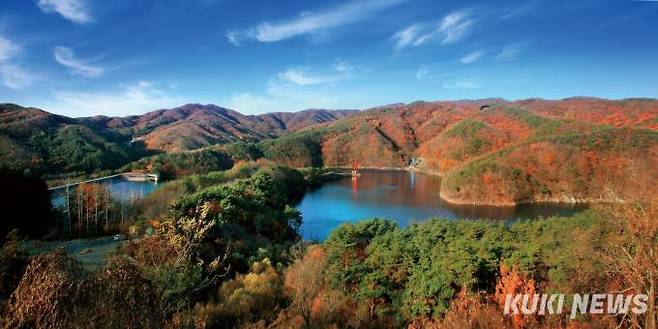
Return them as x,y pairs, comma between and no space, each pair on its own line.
294,121
509,152
489,151
45,142
35,140
193,126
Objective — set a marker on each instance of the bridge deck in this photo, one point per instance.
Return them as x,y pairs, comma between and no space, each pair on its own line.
127,175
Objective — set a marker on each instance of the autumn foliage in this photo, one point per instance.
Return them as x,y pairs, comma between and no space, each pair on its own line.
494,152
56,292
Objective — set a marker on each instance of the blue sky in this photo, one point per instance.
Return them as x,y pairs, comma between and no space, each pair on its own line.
87,57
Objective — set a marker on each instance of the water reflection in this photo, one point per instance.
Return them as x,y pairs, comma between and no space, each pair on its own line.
122,190
402,196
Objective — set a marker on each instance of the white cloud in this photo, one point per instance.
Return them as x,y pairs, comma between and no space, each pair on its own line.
341,66
522,10
407,36
66,57
301,77
11,75
509,53
308,23
133,98
7,49
452,28
422,72
283,97
304,77
461,84
296,89
236,37
472,57
74,10
455,26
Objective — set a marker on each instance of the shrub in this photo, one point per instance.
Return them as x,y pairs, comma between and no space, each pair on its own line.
257,295
13,260
56,292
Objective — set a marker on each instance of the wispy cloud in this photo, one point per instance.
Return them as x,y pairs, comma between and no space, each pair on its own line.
308,23
75,11
283,98
132,98
637,13
296,89
452,28
8,49
472,57
14,77
422,72
303,76
455,26
407,36
509,53
66,57
461,84
11,75
342,66
522,10
237,37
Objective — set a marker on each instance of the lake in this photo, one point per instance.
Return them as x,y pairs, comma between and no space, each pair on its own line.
122,190
402,196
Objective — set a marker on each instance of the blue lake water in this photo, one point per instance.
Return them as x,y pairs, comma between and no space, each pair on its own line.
121,190
402,196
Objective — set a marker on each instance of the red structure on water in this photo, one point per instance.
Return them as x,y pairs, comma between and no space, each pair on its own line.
355,170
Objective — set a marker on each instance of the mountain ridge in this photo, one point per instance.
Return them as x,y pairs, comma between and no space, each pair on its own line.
500,148
489,151
30,134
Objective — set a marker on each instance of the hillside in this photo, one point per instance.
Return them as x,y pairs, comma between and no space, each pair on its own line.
490,151
44,142
294,121
605,165
193,126
32,139
567,139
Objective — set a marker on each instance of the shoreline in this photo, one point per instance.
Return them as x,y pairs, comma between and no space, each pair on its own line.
512,204
407,169
553,200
